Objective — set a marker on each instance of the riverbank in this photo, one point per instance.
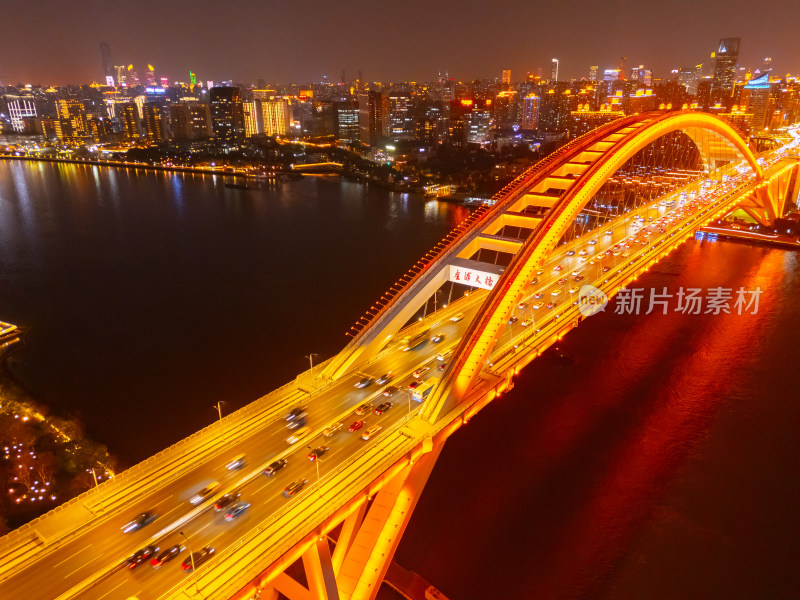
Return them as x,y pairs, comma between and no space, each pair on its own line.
44,459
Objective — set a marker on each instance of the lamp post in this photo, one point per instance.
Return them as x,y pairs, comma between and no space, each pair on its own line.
191,558
218,406
310,358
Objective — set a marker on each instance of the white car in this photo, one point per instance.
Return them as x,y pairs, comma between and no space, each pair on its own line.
204,493
457,317
298,435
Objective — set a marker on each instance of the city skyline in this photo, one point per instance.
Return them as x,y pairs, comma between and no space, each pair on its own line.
283,43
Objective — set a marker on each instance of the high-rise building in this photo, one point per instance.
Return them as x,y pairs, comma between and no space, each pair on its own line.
346,120
19,107
227,115
554,70
253,118
105,56
593,72
506,78
129,116
155,124
530,112
622,67
200,115
726,58
371,116
180,121
277,116
401,119
757,99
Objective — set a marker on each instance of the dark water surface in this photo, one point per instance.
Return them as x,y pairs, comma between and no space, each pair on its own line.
663,463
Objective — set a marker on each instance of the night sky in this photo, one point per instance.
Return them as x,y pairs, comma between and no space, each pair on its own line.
281,41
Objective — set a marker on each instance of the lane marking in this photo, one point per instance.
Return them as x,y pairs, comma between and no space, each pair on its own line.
72,555
114,588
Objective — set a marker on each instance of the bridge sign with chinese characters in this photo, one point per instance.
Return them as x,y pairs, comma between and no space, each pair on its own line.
473,277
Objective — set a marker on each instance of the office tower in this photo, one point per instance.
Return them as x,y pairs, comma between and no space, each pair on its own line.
530,112
150,75
506,109
622,67
554,70
192,79
72,125
593,73
480,121
200,115
506,78
227,116
121,74
371,116
757,99
458,126
277,116
253,118
725,69
611,75
180,121
554,111
155,125
105,56
19,107
129,116
401,120
346,120
431,125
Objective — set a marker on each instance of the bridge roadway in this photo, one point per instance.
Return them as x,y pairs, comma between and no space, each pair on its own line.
89,565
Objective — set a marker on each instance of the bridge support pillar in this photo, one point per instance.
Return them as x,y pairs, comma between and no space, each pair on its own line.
375,542
320,572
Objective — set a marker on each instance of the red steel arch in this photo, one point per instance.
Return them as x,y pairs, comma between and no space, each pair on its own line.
711,134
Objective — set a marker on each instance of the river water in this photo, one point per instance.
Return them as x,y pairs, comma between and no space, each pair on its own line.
661,463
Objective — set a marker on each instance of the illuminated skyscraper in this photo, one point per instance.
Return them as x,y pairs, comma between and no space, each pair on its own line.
200,115
554,70
506,79
277,116
757,96
401,121
726,58
129,115
371,115
227,116
155,124
346,121
530,112
622,67
253,118
19,107
593,73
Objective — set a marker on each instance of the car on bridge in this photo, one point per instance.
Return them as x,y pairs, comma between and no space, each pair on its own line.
537,305
592,242
382,408
236,510
141,520
385,378
437,338
562,281
556,292
140,556
420,372
457,317
570,252
558,268
414,385
363,409
317,453
204,493
293,488
551,305
355,426
526,322
226,500
371,433
538,295
606,269
583,252
166,555
298,435
274,467
331,429
195,559
236,464
366,382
